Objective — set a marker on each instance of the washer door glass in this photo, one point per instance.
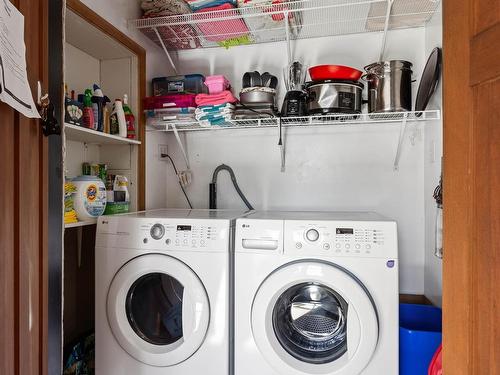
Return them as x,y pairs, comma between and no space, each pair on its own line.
158,310
314,317
154,308
310,322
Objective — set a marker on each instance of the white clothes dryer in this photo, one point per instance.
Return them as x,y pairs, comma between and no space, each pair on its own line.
162,292
316,293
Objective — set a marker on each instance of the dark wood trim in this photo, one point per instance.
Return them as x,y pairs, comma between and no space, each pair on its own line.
93,18
414,299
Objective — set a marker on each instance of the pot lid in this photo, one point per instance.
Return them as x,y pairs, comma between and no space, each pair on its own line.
429,81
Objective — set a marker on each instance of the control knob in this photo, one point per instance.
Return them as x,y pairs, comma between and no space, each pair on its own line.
312,235
157,231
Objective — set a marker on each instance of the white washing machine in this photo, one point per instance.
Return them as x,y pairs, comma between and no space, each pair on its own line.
162,293
316,293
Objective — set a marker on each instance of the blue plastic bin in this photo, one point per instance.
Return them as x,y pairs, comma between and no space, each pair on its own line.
420,333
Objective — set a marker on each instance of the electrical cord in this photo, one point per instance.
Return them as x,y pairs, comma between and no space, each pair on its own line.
177,174
213,189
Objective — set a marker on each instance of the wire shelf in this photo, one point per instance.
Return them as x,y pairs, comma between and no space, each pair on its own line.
156,123
266,22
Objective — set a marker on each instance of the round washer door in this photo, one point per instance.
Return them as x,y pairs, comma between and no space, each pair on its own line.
313,317
158,310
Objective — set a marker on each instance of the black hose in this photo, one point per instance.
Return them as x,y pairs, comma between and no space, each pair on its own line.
213,187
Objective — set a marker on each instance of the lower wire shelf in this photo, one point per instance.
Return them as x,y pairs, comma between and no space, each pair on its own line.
156,121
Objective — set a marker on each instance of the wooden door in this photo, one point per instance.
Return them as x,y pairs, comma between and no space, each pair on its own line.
471,274
23,216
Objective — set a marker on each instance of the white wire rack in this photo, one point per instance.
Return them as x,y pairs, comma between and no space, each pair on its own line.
155,121
268,22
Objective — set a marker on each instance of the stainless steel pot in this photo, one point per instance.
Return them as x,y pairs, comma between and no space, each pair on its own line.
389,86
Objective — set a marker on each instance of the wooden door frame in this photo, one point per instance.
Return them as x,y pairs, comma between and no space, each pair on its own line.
465,228
93,18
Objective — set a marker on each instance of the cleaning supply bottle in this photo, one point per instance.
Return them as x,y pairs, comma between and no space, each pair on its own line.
118,124
88,112
99,101
129,118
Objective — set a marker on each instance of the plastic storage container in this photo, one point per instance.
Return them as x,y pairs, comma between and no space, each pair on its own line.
420,335
90,197
216,84
189,84
170,101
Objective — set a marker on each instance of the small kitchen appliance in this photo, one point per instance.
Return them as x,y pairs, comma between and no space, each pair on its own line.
295,103
334,96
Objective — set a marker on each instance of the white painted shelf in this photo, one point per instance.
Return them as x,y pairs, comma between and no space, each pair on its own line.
81,134
80,224
156,123
265,23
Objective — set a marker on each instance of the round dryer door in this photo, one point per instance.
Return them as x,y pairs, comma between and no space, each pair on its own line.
313,317
158,310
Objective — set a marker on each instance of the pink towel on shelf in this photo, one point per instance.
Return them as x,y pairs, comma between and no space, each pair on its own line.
219,31
222,98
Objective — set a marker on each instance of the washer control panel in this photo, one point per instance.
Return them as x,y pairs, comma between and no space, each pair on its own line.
356,238
163,234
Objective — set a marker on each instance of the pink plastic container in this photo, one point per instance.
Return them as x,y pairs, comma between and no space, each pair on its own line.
216,84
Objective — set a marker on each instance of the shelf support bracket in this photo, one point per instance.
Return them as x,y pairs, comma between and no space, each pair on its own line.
166,50
181,145
386,29
287,32
402,131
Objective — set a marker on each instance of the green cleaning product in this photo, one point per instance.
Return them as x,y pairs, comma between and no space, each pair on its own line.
129,118
88,112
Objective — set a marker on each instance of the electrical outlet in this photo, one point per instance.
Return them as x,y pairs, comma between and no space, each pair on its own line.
162,150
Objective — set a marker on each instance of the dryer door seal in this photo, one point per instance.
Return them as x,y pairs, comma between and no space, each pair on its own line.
158,310
314,317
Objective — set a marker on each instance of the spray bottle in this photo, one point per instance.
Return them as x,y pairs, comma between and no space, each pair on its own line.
129,118
88,113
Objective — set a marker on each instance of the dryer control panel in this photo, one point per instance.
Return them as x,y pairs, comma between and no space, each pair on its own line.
341,238
164,234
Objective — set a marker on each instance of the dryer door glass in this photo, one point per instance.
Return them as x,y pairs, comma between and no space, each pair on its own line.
154,308
310,323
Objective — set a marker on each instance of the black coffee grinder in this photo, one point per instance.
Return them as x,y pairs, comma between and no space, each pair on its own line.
295,103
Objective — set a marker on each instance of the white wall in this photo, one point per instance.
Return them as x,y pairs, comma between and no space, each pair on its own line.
118,12
336,168
432,168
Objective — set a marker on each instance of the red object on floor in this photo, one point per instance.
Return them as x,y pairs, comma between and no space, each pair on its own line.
436,366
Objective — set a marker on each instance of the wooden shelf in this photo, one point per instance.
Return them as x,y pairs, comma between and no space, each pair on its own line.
81,224
80,134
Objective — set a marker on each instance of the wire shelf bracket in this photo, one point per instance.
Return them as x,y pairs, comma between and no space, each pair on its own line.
157,123
286,21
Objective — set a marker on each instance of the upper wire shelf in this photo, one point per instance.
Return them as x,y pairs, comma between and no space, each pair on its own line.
266,22
156,123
